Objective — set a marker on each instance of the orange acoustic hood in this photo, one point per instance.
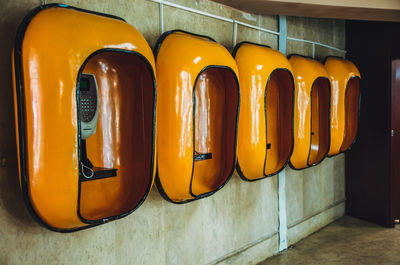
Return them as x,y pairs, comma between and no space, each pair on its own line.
265,129
345,102
85,115
311,112
197,106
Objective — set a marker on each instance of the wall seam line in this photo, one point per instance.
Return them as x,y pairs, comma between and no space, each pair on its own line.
242,249
161,18
333,205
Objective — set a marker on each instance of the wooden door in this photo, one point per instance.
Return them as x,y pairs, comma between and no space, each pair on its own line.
395,140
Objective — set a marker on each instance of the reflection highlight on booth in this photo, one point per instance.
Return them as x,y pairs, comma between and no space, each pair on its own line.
198,102
311,112
265,130
345,101
86,131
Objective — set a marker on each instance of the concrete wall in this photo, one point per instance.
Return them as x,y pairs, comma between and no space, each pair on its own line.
238,225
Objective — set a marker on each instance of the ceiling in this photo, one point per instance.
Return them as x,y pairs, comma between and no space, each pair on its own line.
381,10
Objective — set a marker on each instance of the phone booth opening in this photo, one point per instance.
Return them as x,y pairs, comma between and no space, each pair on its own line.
197,107
213,149
265,130
85,115
279,120
352,103
320,125
116,160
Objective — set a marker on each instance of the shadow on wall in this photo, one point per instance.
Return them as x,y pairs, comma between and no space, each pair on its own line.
10,194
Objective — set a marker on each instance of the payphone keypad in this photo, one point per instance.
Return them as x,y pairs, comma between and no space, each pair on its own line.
87,98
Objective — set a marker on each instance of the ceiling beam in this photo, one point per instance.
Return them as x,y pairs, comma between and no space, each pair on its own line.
381,10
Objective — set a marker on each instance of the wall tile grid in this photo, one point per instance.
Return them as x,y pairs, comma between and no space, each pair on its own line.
237,225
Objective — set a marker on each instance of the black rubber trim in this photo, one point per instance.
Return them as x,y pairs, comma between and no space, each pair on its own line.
151,71
238,169
198,196
332,56
329,131
19,87
300,55
359,113
329,123
265,107
161,39
237,46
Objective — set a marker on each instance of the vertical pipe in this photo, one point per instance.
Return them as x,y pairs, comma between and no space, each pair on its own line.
282,210
313,50
282,34
234,33
282,175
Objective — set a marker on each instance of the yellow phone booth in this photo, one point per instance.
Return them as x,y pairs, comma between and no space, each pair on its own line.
345,91
265,130
311,112
197,107
85,112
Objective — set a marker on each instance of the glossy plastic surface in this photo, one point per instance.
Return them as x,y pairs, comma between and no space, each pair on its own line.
55,46
311,112
345,91
198,99
265,130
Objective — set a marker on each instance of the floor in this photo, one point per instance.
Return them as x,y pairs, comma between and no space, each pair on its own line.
346,241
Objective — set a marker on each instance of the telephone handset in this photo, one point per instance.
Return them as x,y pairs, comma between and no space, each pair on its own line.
88,114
